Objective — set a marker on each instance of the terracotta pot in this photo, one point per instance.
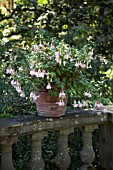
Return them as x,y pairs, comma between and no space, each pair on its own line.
46,105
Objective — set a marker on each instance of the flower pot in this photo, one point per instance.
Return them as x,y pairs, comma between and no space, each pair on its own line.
47,105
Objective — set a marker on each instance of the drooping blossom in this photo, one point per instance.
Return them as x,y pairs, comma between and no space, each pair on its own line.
72,59
77,64
87,94
62,95
98,105
85,104
35,47
40,74
34,96
48,86
18,89
15,83
32,72
75,104
90,54
51,80
9,71
52,46
20,68
61,103
80,64
66,56
57,57
31,64
22,94
80,104
64,63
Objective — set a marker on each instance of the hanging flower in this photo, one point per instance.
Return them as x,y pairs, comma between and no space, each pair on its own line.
22,94
61,103
34,96
9,71
75,104
48,86
87,94
35,47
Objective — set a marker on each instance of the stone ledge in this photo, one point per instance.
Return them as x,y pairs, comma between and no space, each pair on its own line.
34,123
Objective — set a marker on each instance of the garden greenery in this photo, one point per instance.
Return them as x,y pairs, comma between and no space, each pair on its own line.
55,66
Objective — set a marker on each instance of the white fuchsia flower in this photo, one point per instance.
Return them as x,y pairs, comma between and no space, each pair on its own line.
104,110
32,72
20,68
66,56
10,71
48,86
77,64
61,103
80,104
18,89
83,65
57,57
80,64
87,94
22,94
64,63
85,104
71,59
52,46
90,54
98,105
62,95
35,47
39,74
13,83
34,96
75,104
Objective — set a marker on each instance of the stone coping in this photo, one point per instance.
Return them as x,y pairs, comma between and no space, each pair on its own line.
33,123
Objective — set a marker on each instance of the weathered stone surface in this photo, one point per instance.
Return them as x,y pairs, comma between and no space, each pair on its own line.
106,143
33,123
62,158
37,127
37,162
6,153
87,154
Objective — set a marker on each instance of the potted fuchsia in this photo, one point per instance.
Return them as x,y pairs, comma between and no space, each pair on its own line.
50,72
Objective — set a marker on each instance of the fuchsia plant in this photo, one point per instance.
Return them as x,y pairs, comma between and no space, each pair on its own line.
57,67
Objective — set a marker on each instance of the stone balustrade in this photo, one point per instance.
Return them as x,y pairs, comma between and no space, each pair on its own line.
38,127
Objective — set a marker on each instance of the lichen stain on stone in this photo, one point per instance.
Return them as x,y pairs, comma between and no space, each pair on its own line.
76,122
102,119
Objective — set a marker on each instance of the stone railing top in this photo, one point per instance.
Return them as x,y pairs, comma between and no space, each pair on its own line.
34,123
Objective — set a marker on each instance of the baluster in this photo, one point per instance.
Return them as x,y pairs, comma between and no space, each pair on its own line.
87,154
37,162
6,153
62,158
